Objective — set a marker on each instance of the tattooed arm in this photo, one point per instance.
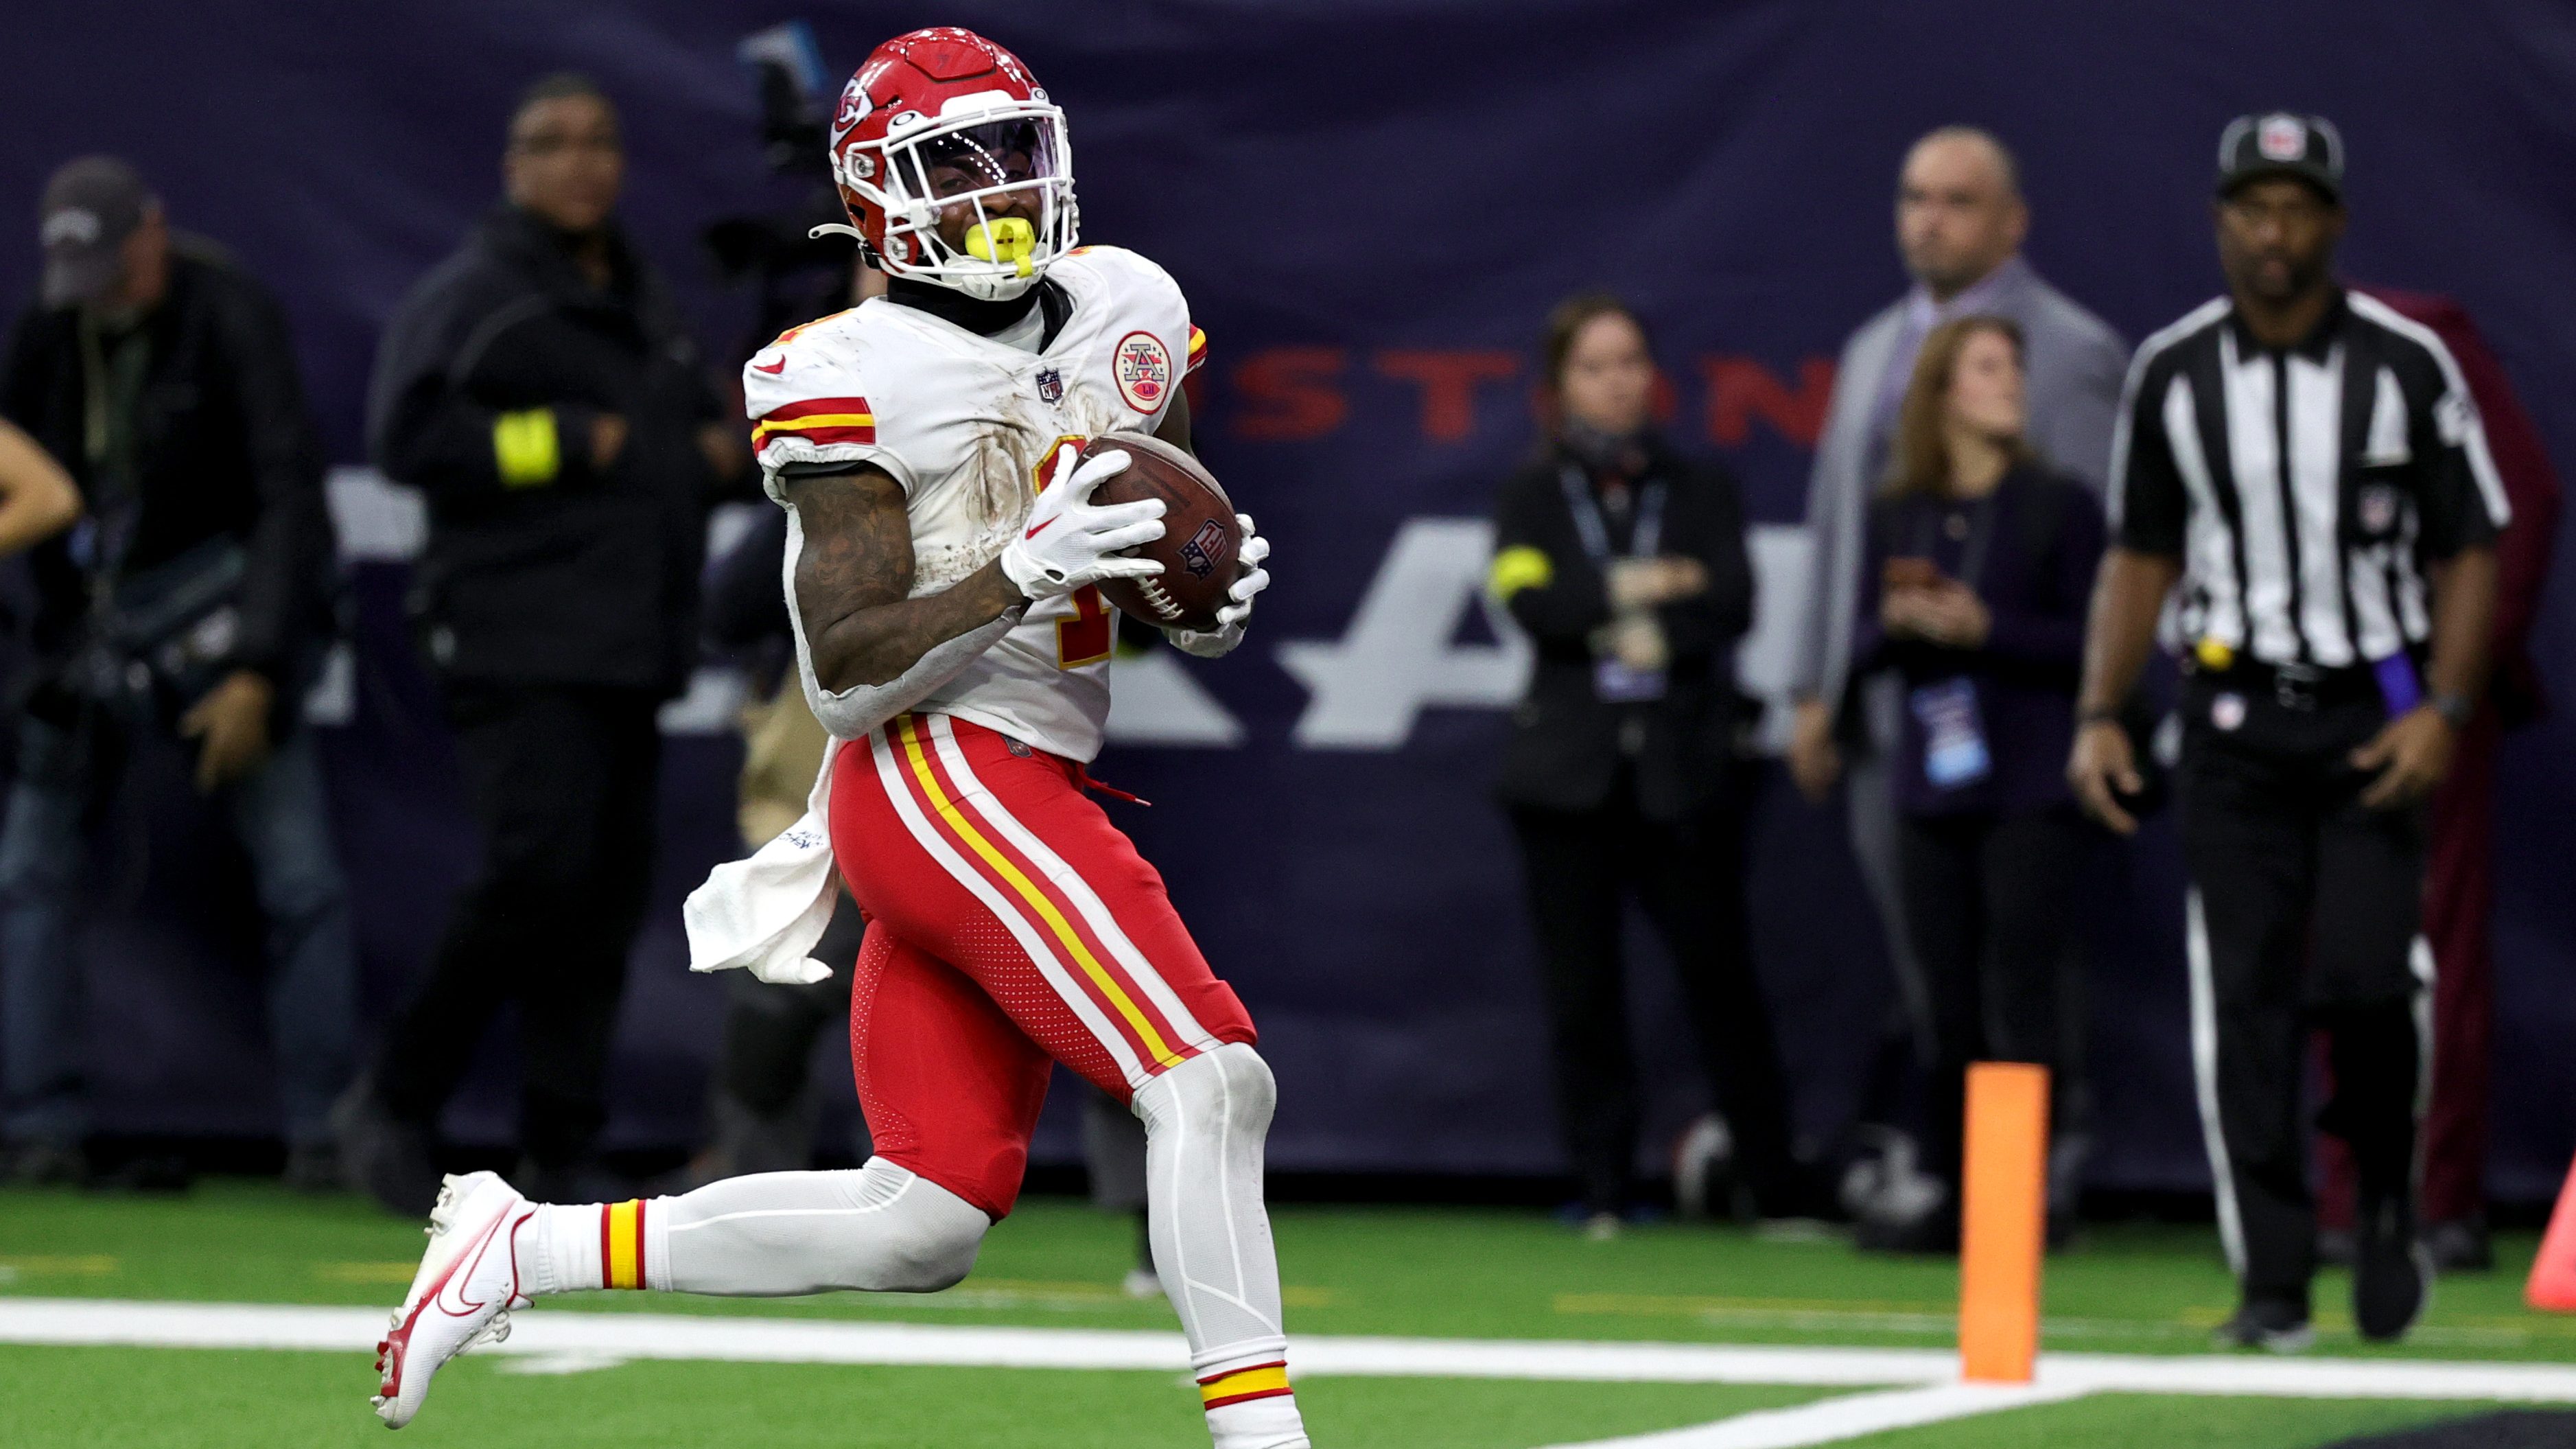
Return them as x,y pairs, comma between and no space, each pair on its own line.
854,572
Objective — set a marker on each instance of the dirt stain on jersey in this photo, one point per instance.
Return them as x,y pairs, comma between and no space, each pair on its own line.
1001,473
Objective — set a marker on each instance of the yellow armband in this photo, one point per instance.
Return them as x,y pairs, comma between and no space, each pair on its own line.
526,449
1516,568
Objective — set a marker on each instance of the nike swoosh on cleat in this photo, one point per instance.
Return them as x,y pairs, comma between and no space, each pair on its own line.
462,1267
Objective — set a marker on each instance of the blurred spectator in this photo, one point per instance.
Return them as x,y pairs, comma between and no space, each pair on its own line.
539,389
194,602
1973,589
2459,886
1627,565
1960,222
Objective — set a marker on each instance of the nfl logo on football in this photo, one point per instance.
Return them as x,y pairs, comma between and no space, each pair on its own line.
1199,554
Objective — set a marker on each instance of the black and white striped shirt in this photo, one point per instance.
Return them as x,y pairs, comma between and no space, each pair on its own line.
2301,488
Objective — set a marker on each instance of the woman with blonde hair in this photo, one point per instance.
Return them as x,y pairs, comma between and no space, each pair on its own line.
1979,565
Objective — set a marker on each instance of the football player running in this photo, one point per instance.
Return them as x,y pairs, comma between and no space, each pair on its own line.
943,559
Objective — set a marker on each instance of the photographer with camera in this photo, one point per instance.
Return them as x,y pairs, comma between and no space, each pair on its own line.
193,603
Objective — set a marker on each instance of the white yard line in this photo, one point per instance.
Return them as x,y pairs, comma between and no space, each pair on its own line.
1911,1386
1830,1421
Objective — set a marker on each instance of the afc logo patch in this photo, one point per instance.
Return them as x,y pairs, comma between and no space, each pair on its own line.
1143,367
1050,386
1199,554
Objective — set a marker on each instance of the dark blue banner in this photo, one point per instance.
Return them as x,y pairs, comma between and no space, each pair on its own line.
1370,206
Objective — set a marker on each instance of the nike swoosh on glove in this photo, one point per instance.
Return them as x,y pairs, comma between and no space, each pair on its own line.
1234,617
1067,543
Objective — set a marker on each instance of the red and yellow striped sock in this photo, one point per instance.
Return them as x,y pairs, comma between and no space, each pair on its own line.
1238,1386
572,1246
621,1244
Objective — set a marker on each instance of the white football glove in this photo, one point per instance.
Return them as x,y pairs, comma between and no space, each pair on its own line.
1232,619
1067,543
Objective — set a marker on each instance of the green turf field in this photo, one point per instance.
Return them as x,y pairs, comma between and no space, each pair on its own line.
1426,1273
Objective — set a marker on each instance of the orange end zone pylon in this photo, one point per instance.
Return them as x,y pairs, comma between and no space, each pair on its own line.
2003,1221
2552,1285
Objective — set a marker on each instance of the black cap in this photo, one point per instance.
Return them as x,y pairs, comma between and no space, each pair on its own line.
2278,143
90,207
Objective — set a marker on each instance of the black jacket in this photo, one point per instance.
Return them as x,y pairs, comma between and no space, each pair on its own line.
224,448
1565,747
575,576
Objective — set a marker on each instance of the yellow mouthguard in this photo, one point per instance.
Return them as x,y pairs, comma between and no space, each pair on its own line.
1010,239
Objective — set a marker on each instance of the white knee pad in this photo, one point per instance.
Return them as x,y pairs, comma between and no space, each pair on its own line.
1205,1125
1228,1091
925,1238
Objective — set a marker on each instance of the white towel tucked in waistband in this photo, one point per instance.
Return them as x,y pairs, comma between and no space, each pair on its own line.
766,911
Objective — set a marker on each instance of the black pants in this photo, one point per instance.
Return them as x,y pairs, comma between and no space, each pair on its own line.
563,782
2304,911
771,1027
1988,904
1690,879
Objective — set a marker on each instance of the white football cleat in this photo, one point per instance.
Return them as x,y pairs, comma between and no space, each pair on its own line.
467,1284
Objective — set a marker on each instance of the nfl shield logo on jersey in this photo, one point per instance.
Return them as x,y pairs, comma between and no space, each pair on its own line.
1050,386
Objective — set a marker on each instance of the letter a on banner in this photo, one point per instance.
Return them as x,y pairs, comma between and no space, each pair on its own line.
1400,653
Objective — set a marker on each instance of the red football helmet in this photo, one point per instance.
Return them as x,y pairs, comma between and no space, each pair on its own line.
944,119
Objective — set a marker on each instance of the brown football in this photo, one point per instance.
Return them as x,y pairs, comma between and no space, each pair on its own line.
1199,539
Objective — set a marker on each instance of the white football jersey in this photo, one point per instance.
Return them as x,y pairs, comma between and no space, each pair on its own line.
969,427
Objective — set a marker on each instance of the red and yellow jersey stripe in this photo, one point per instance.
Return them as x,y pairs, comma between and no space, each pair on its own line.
1198,351
818,420
1065,929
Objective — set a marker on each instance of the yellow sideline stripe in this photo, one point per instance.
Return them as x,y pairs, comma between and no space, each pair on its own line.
1064,932
625,1265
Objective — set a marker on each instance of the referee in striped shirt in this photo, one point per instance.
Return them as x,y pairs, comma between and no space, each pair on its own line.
2307,465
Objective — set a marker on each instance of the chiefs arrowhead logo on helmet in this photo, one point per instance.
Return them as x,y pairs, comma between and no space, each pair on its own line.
854,109
953,165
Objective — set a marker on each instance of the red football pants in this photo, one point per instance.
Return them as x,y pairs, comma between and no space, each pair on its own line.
1009,923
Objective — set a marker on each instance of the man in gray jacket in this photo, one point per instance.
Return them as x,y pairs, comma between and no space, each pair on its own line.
1960,221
